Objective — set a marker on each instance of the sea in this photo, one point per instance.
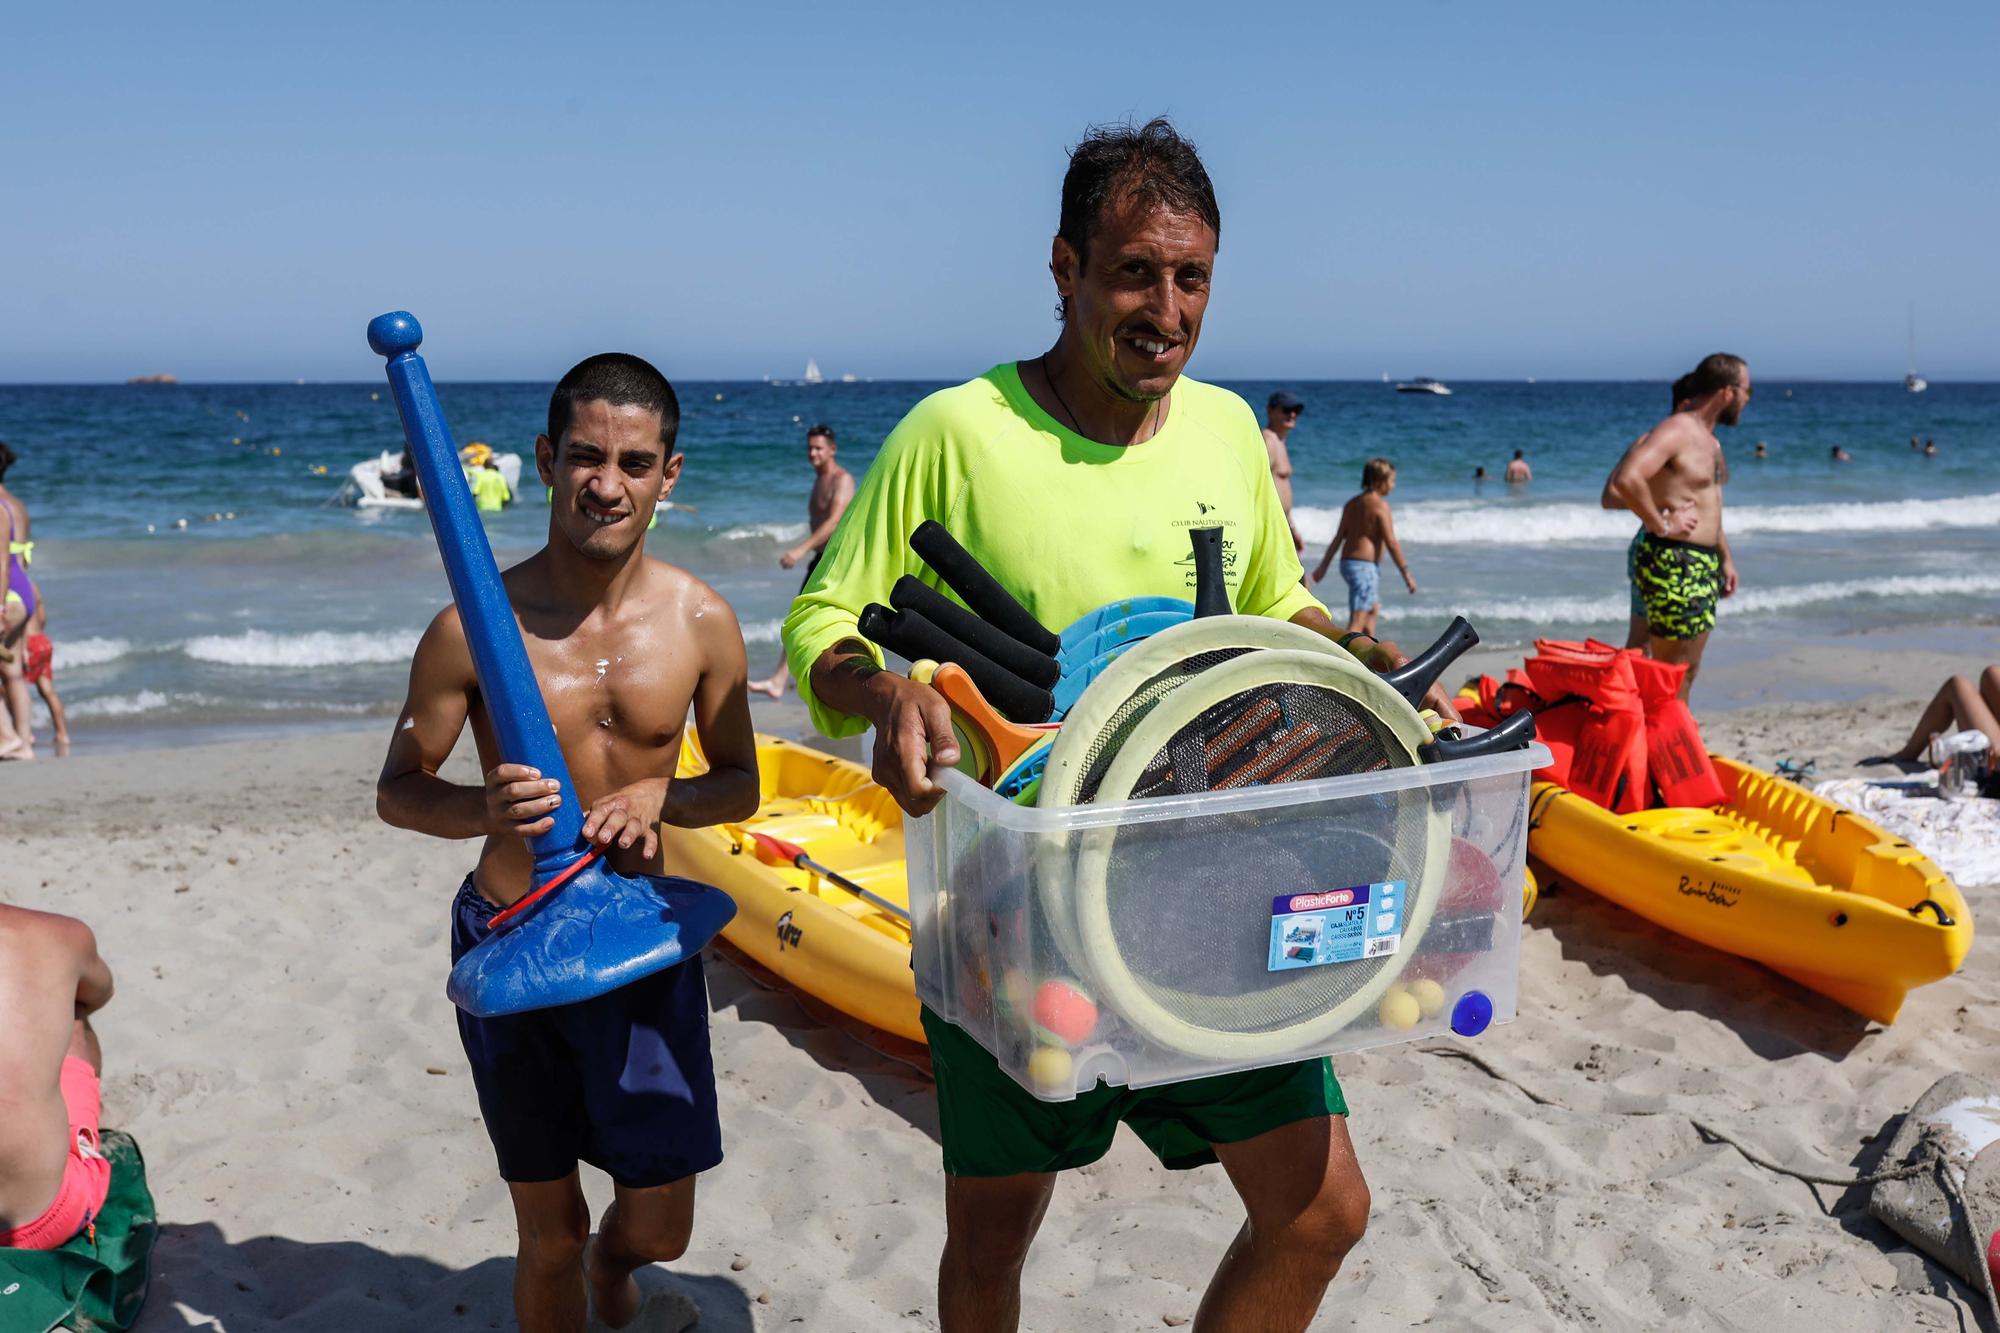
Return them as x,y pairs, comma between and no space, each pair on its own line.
204,582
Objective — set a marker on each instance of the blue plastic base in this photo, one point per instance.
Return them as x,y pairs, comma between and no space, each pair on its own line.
600,931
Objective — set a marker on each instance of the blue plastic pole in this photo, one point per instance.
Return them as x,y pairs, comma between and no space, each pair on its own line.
506,681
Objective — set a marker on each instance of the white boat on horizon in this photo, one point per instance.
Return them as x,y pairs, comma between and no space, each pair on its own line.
1424,384
1912,381
812,375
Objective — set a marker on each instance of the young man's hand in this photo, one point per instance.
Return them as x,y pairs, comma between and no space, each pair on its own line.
1728,576
1410,583
789,558
519,800
629,815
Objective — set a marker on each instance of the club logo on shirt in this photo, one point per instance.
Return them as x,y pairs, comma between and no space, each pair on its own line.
788,933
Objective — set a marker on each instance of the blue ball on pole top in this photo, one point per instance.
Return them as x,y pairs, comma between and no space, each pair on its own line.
395,333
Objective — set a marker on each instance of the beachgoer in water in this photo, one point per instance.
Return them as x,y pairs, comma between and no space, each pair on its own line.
1672,478
833,490
402,479
621,645
1760,451
1478,475
1518,470
1915,443
1930,448
1281,414
1840,455
1074,479
53,1177
1958,704
1366,530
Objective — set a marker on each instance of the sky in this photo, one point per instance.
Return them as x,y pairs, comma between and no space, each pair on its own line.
1561,190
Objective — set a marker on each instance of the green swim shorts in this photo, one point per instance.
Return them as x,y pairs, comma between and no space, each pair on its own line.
992,1126
1678,583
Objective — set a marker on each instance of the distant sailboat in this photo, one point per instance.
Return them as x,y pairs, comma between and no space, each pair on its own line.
1912,381
812,375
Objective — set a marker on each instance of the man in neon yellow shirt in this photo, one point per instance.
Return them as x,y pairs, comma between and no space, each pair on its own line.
1074,479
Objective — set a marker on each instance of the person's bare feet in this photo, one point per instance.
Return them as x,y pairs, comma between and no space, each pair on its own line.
614,1300
62,747
772,688
16,749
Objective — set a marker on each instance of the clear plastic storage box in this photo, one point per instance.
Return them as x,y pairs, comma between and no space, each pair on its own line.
1148,942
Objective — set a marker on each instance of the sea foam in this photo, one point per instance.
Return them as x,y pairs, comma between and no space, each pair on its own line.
72,653
1473,523
316,648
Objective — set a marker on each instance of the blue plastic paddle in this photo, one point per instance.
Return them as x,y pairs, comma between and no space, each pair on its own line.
584,929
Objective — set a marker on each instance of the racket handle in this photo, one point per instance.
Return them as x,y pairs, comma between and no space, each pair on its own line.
1211,585
1415,677
981,591
911,634
1516,733
913,594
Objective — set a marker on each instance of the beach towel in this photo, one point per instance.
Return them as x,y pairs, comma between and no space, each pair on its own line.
97,1282
1963,837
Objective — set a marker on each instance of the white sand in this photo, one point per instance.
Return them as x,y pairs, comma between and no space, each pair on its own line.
281,1046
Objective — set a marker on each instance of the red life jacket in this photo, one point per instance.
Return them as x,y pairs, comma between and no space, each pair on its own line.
1607,742
1677,761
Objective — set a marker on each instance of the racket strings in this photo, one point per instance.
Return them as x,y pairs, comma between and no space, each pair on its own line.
1111,738
1177,946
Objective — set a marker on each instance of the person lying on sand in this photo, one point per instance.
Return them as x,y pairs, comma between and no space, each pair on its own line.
1958,703
53,1178
621,645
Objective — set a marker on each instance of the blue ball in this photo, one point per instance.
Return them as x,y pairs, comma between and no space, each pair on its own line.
395,333
1472,1015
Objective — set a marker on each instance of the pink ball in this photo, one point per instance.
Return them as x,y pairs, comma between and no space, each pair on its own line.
1993,1259
1065,1012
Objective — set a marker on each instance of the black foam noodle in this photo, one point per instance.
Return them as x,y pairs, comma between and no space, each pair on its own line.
913,635
913,594
1211,583
979,589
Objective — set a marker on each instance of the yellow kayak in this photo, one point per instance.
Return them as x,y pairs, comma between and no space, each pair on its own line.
823,939
1775,874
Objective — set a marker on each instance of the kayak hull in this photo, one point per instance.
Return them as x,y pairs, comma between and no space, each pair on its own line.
1775,874
816,936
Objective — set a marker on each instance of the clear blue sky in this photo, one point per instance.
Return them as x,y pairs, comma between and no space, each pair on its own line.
1576,190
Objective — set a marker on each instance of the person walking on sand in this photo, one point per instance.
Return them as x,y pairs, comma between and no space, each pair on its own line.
621,645
1518,471
17,608
832,491
53,1177
1367,529
38,669
1281,413
1074,478
1672,478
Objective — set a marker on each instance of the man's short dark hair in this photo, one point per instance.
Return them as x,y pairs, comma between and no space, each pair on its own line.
1717,371
1150,164
621,380
7,459
821,428
1680,390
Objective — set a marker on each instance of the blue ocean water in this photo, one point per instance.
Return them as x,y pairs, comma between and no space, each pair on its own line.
272,606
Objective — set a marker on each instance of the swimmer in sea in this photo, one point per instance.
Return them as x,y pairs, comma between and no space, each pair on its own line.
622,646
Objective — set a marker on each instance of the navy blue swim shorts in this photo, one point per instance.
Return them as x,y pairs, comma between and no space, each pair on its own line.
624,1081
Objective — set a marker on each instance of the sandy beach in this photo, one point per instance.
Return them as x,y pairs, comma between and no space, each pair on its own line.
281,1047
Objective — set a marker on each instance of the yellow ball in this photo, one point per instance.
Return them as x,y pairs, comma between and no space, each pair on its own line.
1399,1009
1429,997
1051,1069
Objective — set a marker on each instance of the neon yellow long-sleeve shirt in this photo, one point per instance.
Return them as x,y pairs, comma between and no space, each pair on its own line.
1064,523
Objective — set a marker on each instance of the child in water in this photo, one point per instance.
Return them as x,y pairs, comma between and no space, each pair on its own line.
1366,530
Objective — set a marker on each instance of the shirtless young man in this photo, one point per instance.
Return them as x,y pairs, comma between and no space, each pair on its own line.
1281,413
1672,478
1367,529
833,488
53,1179
621,645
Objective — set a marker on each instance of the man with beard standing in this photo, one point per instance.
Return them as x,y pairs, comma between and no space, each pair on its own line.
1672,478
